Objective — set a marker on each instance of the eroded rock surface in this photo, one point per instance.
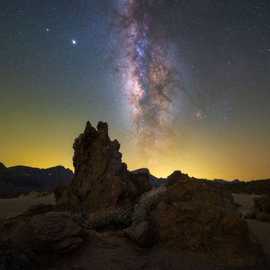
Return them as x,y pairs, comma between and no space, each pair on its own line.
194,217
47,233
101,179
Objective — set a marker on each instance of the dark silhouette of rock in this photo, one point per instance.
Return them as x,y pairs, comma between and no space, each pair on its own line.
249,187
22,179
101,180
154,181
176,176
141,180
2,167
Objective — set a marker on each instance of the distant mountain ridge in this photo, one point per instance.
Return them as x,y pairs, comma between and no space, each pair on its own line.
260,186
22,179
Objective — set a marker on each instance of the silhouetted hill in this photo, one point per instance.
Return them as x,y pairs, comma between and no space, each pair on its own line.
22,179
249,187
237,186
2,167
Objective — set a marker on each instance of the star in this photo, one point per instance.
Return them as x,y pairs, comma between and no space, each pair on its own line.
199,115
47,30
74,42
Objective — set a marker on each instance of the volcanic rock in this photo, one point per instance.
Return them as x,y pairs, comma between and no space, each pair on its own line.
194,217
144,230
262,208
154,181
47,233
176,176
101,179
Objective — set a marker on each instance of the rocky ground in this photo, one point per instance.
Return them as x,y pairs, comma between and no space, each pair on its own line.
111,218
16,206
257,217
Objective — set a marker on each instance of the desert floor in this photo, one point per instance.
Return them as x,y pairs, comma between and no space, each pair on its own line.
15,206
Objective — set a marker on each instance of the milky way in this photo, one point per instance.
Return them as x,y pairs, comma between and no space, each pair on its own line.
148,70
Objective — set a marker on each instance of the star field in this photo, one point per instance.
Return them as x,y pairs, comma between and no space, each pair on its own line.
66,62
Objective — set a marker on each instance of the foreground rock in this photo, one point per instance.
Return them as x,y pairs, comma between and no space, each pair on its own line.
47,234
192,217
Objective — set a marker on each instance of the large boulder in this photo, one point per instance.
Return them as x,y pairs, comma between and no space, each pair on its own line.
189,216
52,233
101,180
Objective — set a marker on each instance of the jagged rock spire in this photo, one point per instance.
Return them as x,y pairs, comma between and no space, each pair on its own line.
101,178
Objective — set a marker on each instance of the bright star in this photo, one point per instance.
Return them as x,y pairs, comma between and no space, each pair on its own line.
74,42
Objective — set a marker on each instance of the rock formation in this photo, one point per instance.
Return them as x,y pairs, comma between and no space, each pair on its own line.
109,216
195,217
191,216
43,233
101,179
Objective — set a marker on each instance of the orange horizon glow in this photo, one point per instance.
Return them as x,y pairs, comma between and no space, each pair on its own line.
204,159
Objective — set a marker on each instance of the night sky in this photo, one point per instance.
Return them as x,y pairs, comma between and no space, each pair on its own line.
66,62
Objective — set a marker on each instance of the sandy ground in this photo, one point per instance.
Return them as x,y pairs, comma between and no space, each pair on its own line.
15,206
261,230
